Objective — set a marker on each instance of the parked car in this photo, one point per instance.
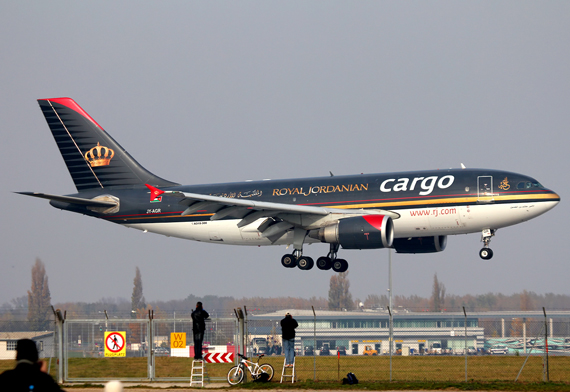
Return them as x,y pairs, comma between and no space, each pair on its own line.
498,349
161,352
309,350
341,350
325,350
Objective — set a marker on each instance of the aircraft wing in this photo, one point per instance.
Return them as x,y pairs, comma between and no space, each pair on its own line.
285,215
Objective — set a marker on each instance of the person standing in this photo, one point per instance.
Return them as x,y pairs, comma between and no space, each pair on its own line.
199,316
30,374
288,325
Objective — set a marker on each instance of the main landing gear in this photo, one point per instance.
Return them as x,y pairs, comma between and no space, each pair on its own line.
323,263
486,253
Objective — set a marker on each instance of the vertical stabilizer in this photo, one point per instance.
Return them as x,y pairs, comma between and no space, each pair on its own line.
94,159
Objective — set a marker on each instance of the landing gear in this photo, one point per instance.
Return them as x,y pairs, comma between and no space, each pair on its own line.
324,263
486,253
340,265
289,261
305,263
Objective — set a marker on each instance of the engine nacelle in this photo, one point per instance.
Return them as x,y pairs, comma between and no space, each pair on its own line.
420,244
359,232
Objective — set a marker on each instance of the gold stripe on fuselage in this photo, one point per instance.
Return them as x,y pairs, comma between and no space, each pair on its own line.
452,200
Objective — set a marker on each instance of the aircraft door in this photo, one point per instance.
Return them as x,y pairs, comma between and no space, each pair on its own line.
485,189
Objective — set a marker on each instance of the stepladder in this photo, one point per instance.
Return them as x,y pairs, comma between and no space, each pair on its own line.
288,371
199,374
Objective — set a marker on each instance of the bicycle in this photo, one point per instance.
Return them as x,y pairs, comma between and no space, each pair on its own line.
237,373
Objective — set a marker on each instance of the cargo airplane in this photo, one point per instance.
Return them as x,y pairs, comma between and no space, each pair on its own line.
411,212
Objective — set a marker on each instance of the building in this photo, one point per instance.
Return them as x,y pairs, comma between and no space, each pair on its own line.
413,332
44,341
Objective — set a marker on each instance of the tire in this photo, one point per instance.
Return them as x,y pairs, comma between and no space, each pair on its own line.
289,261
324,263
267,368
486,253
235,375
305,263
340,265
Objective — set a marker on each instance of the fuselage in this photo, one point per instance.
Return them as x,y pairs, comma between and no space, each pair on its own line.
437,202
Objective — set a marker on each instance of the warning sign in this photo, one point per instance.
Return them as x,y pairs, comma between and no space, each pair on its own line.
115,344
178,340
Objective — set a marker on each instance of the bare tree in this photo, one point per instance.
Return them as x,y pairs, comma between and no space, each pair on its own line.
39,299
339,293
137,299
437,295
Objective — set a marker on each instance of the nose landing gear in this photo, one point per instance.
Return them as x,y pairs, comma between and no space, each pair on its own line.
486,253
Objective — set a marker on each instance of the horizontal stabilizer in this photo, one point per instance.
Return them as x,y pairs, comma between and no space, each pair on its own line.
71,200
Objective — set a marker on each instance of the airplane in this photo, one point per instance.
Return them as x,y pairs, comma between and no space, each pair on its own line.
411,212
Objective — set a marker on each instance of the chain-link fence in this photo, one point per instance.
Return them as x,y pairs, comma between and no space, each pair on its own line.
407,346
375,345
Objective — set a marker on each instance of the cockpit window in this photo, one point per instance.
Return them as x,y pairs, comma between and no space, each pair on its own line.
529,185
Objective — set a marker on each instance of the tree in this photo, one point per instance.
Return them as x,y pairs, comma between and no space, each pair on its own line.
526,301
437,295
137,299
339,294
39,299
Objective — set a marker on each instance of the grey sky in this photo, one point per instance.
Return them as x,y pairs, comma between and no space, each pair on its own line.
202,92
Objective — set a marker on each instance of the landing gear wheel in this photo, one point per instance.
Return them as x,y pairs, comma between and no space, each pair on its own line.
289,261
324,263
486,253
305,263
340,265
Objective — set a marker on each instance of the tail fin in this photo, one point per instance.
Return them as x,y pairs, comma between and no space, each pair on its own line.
94,159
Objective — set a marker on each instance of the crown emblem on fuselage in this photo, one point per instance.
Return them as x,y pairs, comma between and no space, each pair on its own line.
99,156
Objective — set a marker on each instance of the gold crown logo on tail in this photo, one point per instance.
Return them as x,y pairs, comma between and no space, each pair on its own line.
99,155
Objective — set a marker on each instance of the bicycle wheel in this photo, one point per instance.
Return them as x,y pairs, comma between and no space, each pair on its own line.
235,375
267,368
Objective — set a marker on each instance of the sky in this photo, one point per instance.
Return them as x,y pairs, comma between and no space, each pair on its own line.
211,91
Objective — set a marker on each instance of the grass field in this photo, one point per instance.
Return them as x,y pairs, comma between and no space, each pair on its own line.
368,369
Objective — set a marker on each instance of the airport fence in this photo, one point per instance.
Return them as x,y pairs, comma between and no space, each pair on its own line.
376,346
420,346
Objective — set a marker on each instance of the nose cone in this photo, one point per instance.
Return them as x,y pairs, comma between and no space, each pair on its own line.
553,199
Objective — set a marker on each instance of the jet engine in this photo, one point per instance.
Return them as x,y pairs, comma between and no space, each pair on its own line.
359,232
420,244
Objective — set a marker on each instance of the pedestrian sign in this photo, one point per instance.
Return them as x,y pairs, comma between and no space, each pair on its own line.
178,340
115,344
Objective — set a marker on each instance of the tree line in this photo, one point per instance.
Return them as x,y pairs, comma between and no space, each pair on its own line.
34,311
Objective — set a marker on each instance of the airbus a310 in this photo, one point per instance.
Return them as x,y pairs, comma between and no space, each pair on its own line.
411,212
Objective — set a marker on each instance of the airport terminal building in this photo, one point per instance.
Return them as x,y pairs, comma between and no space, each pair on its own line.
413,332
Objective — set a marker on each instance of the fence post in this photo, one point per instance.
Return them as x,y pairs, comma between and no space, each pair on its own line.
314,344
150,341
546,375
390,338
59,319
465,349
241,338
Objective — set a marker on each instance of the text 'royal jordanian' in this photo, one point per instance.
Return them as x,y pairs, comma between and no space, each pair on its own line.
411,212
